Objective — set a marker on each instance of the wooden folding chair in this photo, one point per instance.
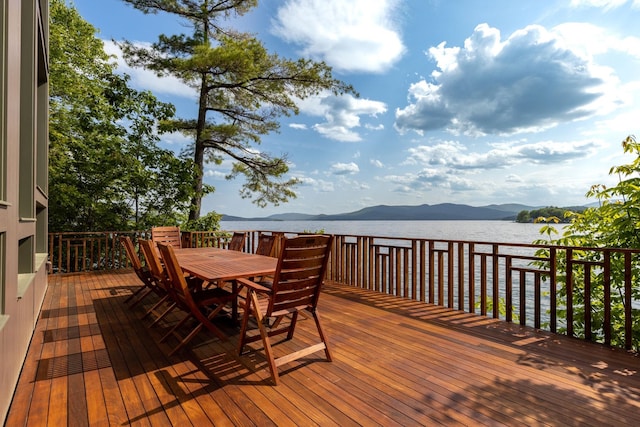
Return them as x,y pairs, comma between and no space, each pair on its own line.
265,244
194,303
296,286
149,284
168,235
157,271
237,241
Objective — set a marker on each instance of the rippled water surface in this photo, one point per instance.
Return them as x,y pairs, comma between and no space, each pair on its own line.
486,231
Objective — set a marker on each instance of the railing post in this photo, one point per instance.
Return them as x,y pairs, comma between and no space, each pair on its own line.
628,324
569,288
431,272
607,297
508,279
587,301
471,278
553,289
460,276
496,283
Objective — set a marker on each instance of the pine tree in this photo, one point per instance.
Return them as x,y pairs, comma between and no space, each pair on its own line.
242,92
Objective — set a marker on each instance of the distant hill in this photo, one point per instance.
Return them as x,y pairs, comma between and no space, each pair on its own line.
512,207
443,211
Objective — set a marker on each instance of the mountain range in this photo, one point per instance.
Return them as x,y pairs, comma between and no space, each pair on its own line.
443,211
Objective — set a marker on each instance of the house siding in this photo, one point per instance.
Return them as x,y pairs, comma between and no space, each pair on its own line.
24,102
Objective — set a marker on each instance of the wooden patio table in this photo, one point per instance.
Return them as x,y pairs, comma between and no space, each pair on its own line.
222,265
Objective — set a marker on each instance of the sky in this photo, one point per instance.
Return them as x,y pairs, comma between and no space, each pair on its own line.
460,101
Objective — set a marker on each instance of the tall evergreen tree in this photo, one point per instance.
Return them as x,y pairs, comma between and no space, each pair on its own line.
243,91
106,171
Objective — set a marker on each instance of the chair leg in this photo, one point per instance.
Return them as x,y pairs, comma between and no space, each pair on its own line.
265,339
323,337
245,323
276,322
156,305
292,325
204,321
163,314
175,327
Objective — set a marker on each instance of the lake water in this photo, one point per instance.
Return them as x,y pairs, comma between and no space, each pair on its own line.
481,231
476,231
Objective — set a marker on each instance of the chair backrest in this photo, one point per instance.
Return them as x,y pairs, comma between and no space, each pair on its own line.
174,274
237,241
300,273
166,235
130,249
265,244
131,252
153,262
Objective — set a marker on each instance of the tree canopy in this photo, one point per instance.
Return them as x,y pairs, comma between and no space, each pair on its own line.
539,215
615,223
106,171
242,92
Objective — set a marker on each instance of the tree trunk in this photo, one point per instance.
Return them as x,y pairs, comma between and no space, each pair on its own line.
198,156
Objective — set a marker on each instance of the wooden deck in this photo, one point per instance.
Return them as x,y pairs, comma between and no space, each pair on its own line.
396,362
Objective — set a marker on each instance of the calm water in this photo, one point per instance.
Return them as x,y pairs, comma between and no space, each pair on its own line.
485,231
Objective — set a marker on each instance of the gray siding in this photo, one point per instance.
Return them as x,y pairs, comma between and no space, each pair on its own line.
24,100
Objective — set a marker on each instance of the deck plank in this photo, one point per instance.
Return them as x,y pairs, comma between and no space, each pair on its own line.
93,361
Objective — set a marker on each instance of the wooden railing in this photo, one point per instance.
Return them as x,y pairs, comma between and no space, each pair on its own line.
515,282
87,251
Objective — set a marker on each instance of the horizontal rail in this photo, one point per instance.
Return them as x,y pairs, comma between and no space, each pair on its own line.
589,293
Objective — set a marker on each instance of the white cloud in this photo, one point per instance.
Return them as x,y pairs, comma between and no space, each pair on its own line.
318,185
354,35
529,82
344,168
590,40
342,114
300,126
176,139
143,79
377,163
216,174
429,179
453,155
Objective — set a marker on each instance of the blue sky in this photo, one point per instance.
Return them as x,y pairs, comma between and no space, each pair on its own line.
465,101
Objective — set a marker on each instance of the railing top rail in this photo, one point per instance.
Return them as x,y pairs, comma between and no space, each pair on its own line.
474,242
89,233
389,239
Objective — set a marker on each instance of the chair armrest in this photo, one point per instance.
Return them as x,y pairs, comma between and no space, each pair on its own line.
253,285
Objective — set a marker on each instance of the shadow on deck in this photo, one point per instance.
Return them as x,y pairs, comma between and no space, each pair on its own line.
396,362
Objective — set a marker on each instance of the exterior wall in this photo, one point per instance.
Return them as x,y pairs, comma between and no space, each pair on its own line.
23,181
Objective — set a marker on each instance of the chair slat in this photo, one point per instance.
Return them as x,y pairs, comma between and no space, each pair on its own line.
167,235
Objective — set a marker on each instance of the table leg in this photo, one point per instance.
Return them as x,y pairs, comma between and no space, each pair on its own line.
234,304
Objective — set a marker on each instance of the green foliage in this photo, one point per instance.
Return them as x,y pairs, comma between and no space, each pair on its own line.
208,222
243,91
615,223
523,216
317,231
105,169
538,215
